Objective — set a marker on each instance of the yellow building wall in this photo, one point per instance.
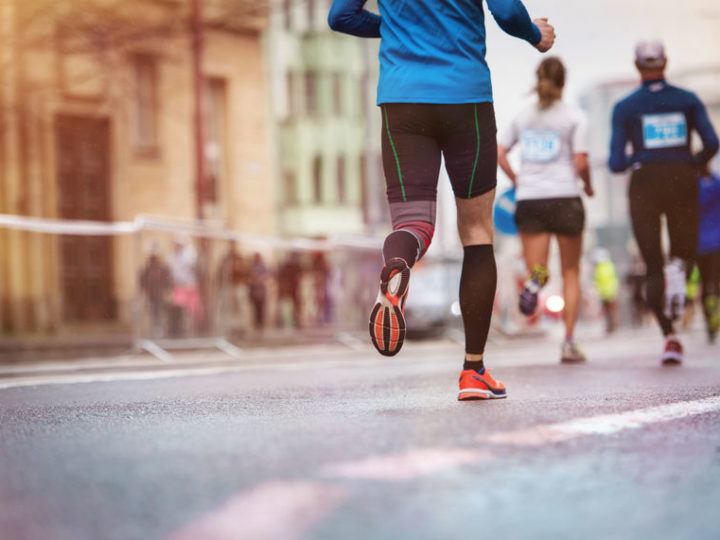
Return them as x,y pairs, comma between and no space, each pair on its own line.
159,185
250,193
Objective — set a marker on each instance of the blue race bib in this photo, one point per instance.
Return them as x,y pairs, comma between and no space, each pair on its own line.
540,145
667,130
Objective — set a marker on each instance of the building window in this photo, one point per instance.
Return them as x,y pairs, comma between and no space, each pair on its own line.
311,13
287,13
215,135
337,94
146,136
341,180
311,93
364,94
291,191
317,180
291,104
364,187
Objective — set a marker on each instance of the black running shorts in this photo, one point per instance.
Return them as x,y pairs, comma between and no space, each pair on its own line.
416,135
563,216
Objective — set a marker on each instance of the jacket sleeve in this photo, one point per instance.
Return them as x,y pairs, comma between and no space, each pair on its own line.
514,19
707,134
618,141
349,17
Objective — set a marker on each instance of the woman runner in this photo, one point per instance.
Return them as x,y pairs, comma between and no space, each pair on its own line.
553,141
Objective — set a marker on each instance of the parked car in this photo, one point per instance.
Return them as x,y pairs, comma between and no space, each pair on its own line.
431,306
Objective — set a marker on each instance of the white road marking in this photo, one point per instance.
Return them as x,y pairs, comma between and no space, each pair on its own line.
422,462
398,467
168,373
114,377
268,511
287,510
322,357
606,424
436,354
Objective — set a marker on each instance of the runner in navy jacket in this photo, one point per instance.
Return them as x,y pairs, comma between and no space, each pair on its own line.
658,120
436,101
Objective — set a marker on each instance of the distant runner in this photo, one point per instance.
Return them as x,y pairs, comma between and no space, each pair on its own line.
658,119
553,140
709,252
435,97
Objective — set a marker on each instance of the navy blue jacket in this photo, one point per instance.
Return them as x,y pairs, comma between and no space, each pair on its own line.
658,120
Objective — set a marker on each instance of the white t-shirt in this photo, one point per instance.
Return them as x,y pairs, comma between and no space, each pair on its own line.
548,139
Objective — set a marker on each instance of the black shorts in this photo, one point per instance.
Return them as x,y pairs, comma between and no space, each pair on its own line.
416,135
564,216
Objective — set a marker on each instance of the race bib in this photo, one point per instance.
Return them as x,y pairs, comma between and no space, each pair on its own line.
666,130
540,145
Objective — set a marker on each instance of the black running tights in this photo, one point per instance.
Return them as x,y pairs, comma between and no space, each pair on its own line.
658,189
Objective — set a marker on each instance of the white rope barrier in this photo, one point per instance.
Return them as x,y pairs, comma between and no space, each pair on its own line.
63,226
213,230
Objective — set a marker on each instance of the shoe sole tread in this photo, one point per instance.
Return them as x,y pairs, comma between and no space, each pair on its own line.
387,322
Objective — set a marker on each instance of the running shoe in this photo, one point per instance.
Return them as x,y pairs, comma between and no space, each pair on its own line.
572,354
673,354
529,295
675,288
387,322
479,385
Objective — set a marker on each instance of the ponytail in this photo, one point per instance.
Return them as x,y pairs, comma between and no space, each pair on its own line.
551,80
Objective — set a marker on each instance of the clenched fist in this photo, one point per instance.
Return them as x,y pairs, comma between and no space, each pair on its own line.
547,31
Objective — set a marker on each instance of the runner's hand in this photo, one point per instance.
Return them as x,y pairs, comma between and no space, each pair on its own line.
547,31
589,191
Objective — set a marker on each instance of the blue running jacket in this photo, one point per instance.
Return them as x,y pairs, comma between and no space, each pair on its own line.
658,120
432,51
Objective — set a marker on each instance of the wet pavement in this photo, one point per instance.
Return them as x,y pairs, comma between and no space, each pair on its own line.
331,442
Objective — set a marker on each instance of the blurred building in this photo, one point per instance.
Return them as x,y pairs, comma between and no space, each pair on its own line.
328,131
96,123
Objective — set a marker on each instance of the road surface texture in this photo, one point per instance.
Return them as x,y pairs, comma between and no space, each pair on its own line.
330,442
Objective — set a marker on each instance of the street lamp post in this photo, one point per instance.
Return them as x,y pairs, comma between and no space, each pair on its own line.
199,89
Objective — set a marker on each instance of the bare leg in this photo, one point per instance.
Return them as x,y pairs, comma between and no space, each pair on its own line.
474,218
536,248
570,251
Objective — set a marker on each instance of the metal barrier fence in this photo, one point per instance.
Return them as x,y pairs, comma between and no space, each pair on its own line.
166,285
174,284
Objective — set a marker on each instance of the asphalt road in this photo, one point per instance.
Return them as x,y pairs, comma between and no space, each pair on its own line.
333,443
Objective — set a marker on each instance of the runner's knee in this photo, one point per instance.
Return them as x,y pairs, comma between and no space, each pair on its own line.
416,218
474,219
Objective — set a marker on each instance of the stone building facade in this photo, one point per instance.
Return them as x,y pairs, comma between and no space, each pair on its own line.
97,123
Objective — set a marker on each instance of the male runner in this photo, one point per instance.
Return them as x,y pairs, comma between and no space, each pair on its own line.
436,100
658,120
709,251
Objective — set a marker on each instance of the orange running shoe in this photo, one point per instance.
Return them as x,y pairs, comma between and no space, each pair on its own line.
387,322
479,385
